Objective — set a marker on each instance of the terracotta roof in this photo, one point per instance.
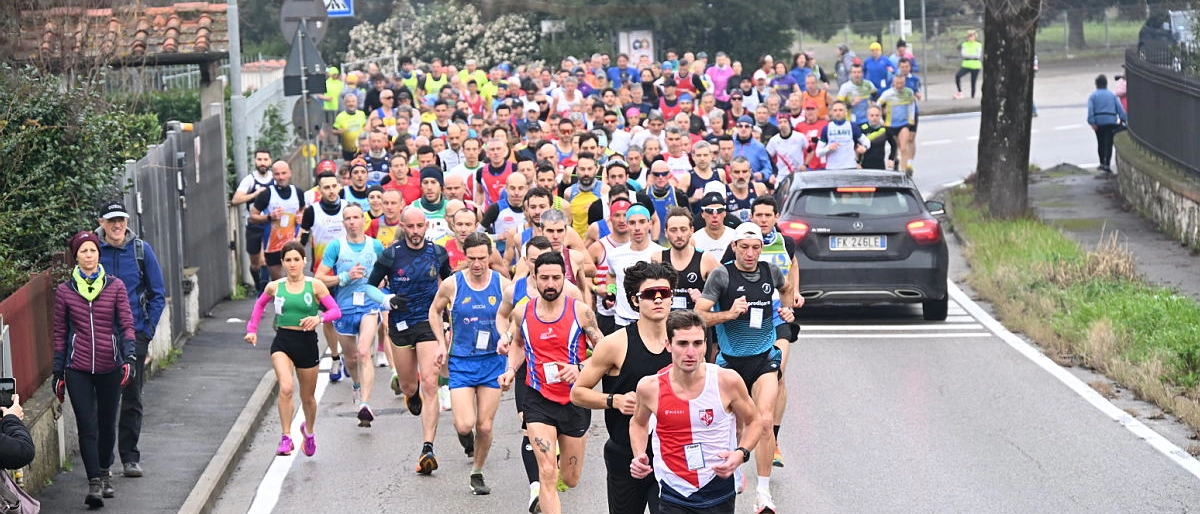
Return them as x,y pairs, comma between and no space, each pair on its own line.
184,32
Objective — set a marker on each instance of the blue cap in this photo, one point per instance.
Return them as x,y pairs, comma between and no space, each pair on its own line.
745,118
668,65
637,210
685,97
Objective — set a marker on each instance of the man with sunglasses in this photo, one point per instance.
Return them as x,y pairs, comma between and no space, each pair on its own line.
639,249
745,145
737,299
619,361
663,196
717,232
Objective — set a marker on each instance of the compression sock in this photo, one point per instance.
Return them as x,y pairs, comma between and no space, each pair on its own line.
530,461
776,429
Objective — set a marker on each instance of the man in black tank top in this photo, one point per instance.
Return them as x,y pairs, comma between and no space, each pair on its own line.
620,360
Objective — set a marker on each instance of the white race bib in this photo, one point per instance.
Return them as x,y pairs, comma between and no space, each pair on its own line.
756,318
482,339
550,370
360,298
401,326
695,456
279,305
678,302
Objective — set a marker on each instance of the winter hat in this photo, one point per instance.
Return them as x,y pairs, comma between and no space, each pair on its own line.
433,173
77,241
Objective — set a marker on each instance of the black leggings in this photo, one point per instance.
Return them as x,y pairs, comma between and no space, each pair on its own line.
1104,143
958,76
95,399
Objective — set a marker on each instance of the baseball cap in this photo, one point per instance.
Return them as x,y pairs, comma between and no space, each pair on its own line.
685,97
702,55
667,65
760,74
640,210
747,230
745,118
332,70
114,210
715,187
876,46
327,165
713,198
811,104
620,206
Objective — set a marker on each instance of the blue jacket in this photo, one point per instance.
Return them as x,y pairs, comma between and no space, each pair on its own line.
876,71
756,153
147,298
1104,108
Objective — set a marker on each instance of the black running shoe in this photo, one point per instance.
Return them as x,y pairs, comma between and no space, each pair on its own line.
477,485
467,441
414,402
427,463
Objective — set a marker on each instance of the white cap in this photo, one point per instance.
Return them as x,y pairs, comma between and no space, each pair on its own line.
747,230
715,187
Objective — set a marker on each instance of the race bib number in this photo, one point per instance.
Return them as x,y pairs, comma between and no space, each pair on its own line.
695,456
550,370
360,298
401,326
285,220
678,302
756,318
482,339
279,305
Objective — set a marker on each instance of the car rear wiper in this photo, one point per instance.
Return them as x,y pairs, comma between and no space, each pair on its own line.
848,214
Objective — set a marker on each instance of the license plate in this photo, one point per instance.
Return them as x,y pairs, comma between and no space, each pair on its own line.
857,243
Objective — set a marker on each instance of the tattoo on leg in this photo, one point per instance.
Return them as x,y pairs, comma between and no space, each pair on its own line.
573,461
542,445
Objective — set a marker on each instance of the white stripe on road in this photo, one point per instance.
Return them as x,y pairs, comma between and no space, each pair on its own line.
892,336
876,328
936,142
267,495
972,138
959,319
1068,127
1139,429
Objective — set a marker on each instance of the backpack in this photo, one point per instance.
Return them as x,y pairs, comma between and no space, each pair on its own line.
139,254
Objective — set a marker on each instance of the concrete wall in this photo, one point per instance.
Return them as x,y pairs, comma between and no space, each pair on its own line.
1159,190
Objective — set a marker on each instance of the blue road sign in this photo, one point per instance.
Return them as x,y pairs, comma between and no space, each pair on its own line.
340,8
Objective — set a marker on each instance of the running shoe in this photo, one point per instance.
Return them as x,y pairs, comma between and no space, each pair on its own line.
958,95
778,461
365,416
414,402
396,390
335,371
467,441
477,485
310,440
285,446
764,504
444,398
534,506
427,463
381,360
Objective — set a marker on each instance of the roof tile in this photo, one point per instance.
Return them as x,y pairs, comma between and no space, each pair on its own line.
124,31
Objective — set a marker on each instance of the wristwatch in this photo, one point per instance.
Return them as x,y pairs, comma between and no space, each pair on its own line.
609,401
745,454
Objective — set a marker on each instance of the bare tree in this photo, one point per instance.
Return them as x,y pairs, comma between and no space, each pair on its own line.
1010,28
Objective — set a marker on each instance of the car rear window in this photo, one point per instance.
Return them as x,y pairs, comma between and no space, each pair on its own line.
832,202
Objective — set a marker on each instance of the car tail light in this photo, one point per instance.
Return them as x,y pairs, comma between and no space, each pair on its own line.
924,231
794,229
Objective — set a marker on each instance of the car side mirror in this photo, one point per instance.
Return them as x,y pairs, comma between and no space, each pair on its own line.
935,208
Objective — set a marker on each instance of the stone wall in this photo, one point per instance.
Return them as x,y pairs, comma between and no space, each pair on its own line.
1159,190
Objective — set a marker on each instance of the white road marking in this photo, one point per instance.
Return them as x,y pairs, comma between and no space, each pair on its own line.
972,138
1139,429
1068,127
959,319
267,495
936,142
893,336
872,328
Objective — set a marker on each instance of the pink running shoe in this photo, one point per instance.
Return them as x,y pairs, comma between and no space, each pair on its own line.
285,446
310,440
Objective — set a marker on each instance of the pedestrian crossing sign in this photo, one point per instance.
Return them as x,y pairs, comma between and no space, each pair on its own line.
339,8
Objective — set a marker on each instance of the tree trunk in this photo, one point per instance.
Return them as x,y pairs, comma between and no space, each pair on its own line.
1006,114
1075,36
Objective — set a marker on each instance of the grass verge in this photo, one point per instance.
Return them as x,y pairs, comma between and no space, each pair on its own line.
1086,307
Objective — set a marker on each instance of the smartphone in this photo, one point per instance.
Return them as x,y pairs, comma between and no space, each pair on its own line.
8,387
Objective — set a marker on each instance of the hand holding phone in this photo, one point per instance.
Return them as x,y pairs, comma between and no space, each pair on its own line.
8,388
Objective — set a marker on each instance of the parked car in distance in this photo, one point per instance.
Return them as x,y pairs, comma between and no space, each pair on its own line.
865,237
1169,38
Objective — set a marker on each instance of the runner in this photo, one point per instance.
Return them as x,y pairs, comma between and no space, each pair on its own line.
385,229
691,266
474,299
295,350
716,234
639,248
252,186
280,211
413,267
694,457
322,224
737,300
841,142
742,190
620,360
555,351
605,300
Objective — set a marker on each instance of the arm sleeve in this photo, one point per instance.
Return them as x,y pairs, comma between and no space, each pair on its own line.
16,446
717,281
489,218
332,312
155,291
256,315
262,201
308,218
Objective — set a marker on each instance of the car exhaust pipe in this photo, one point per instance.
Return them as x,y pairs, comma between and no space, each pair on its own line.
908,293
809,295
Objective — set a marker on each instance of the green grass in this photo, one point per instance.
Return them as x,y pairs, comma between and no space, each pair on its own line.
1121,33
1067,298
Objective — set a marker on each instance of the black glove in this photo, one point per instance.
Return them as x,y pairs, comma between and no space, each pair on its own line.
399,302
60,387
128,371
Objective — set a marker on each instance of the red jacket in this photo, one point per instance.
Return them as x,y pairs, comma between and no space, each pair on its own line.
93,337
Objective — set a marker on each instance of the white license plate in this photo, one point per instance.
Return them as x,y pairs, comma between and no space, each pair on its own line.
857,243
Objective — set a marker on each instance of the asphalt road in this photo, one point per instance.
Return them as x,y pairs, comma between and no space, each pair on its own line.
888,413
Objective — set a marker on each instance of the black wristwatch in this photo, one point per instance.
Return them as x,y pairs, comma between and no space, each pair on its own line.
609,401
745,454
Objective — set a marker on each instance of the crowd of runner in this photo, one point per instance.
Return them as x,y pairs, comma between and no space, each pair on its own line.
553,229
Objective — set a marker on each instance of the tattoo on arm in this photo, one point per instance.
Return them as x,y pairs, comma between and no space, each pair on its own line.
592,331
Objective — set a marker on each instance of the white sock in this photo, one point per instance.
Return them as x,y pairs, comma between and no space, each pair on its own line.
764,485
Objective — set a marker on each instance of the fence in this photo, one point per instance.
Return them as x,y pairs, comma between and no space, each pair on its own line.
1096,29
1164,105
29,312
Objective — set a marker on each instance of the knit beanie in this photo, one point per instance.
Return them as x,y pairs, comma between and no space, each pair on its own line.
77,241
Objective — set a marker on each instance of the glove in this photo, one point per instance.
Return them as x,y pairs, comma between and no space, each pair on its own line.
60,387
128,372
398,302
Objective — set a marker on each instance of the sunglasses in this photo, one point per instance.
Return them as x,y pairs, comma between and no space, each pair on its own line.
651,294
613,120
744,125
660,173
385,98
810,108
713,210
735,98
542,103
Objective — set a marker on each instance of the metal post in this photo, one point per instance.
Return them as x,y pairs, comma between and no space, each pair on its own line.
1106,41
901,19
1066,31
924,49
304,95
237,103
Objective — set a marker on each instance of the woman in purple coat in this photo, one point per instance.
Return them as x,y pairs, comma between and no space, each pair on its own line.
93,357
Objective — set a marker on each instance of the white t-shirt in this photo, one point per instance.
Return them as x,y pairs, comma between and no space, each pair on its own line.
787,154
617,260
251,183
715,246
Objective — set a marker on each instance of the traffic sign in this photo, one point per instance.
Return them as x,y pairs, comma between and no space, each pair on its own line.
313,11
304,63
315,116
339,8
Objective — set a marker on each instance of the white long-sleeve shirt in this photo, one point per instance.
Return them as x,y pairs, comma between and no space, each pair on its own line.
846,135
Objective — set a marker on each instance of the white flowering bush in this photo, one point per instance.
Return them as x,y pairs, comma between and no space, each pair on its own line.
451,31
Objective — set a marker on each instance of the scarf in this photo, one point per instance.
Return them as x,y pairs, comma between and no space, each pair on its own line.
87,284
430,206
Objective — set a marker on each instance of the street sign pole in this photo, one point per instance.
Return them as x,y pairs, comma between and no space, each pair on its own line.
300,35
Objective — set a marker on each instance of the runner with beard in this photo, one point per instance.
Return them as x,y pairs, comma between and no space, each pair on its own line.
605,297
584,191
691,265
552,333
701,175
377,158
841,142
252,186
322,224
875,157
619,361
741,193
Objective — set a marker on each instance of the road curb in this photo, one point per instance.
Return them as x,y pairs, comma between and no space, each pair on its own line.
203,494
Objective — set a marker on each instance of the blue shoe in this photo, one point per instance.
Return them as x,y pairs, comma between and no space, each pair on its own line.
335,371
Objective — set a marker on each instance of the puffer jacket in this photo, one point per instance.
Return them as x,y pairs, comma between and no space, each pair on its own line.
93,337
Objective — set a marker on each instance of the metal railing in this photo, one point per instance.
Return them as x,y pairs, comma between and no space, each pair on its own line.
1164,108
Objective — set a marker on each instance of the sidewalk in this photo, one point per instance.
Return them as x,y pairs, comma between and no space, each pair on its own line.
939,89
189,409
